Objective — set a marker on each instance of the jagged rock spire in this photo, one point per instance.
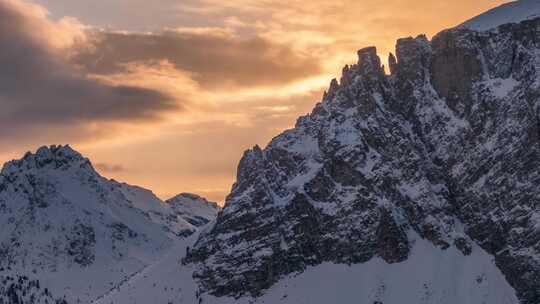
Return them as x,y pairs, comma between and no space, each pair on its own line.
432,150
392,62
369,62
334,86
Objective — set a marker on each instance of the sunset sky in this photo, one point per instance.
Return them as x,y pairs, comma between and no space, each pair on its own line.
167,94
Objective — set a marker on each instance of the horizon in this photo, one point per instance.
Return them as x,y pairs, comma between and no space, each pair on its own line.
171,100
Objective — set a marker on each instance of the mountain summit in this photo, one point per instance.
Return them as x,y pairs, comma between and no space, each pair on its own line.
432,170
513,12
76,232
195,209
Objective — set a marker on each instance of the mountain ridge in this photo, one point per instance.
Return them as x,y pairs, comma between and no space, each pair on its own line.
431,170
195,209
511,12
76,232
435,148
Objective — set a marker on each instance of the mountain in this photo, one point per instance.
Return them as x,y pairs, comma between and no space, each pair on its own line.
69,234
418,186
513,12
194,209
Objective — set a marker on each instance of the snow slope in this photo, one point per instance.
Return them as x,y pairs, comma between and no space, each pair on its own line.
77,233
159,211
165,281
196,210
430,275
513,12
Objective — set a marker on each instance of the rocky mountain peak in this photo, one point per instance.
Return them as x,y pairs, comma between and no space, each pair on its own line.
368,70
369,62
62,220
444,149
195,209
189,196
191,199
48,157
411,55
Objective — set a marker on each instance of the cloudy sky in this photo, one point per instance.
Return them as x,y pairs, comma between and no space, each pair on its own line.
167,94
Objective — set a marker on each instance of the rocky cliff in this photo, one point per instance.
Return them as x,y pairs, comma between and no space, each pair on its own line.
445,147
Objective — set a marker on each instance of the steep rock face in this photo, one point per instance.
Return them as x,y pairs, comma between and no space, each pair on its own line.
446,147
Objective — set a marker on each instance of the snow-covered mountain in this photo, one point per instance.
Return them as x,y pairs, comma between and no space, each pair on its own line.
195,209
512,12
416,187
74,232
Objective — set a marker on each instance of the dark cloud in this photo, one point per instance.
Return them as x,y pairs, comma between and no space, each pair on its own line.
140,15
214,59
109,168
38,88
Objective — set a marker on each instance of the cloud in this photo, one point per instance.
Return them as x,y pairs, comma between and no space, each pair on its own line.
243,71
214,57
109,168
184,156
40,90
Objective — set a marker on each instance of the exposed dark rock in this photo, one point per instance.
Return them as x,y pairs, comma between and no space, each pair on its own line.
446,148
81,244
455,67
463,245
392,242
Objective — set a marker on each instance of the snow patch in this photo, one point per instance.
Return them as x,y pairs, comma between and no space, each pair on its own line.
513,12
501,87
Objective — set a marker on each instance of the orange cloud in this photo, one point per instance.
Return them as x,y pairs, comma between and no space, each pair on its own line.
214,58
240,70
43,96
